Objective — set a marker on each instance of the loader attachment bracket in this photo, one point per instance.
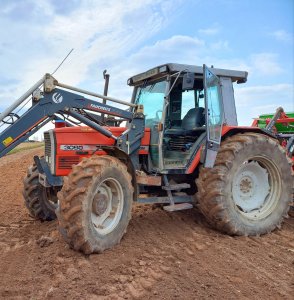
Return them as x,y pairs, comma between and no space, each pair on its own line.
46,178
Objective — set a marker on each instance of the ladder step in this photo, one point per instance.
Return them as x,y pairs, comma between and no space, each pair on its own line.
179,206
173,187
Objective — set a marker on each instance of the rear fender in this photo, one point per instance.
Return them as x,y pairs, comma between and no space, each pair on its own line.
226,132
232,130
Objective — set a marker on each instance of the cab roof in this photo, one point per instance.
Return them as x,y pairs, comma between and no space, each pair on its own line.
171,68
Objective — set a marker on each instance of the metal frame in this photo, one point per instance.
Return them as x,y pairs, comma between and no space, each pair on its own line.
19,101
161,133
55,100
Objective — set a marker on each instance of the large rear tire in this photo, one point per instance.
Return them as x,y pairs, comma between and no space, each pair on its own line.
249,190
41,202
95,204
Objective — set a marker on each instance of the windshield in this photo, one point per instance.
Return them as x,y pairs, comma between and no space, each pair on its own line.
152,98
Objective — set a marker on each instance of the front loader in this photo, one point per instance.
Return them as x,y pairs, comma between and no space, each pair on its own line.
180,146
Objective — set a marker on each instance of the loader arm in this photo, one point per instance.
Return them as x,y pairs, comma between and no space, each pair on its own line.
54,101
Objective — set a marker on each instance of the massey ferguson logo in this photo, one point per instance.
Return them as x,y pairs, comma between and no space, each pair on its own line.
95,106
57,98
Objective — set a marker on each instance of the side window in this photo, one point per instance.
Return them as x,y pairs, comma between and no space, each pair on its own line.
188,102
214,115
152,97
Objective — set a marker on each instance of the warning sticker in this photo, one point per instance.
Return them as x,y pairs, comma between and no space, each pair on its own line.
8,141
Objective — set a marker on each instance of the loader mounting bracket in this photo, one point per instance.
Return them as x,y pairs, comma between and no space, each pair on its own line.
47,179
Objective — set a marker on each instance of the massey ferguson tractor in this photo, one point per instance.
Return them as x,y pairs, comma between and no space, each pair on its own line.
177,144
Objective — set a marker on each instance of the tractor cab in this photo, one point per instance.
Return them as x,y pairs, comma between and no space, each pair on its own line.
184,110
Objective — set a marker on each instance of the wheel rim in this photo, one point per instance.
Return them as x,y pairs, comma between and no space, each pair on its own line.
256,188
107,206
51,198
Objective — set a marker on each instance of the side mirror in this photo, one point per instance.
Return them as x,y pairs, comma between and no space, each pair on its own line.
188,81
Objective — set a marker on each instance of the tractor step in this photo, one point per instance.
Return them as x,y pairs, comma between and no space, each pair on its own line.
179,206
178,198
174,187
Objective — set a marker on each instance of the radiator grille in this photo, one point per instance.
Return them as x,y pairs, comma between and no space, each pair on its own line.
66,162
47,141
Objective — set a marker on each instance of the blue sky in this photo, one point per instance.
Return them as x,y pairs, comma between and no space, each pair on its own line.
128,37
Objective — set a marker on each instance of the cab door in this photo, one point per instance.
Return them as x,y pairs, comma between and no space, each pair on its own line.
214,115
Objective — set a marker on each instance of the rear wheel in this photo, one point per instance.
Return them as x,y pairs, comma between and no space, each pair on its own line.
40,201
95,204
248,191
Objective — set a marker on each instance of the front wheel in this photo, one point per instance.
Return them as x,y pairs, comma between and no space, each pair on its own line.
40,201
95,204
249,190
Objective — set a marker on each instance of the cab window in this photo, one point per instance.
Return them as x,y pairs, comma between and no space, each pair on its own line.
152,98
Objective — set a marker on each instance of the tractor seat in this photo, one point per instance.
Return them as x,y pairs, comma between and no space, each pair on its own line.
192,123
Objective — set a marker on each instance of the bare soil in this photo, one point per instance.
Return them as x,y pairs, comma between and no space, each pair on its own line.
162,256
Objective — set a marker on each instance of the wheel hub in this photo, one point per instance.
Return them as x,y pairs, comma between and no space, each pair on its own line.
100,203
250,187
246,185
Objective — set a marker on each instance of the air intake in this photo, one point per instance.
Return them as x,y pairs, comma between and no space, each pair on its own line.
66,162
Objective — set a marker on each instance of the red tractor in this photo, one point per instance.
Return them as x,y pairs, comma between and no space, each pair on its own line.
180,146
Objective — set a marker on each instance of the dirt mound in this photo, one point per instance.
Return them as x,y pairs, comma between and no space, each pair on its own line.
163,256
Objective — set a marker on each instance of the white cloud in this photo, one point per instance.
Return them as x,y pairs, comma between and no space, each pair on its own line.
177,48
180,49
220,45
195,50
213,30
253,95
266,64
282,35
103,33
255,100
